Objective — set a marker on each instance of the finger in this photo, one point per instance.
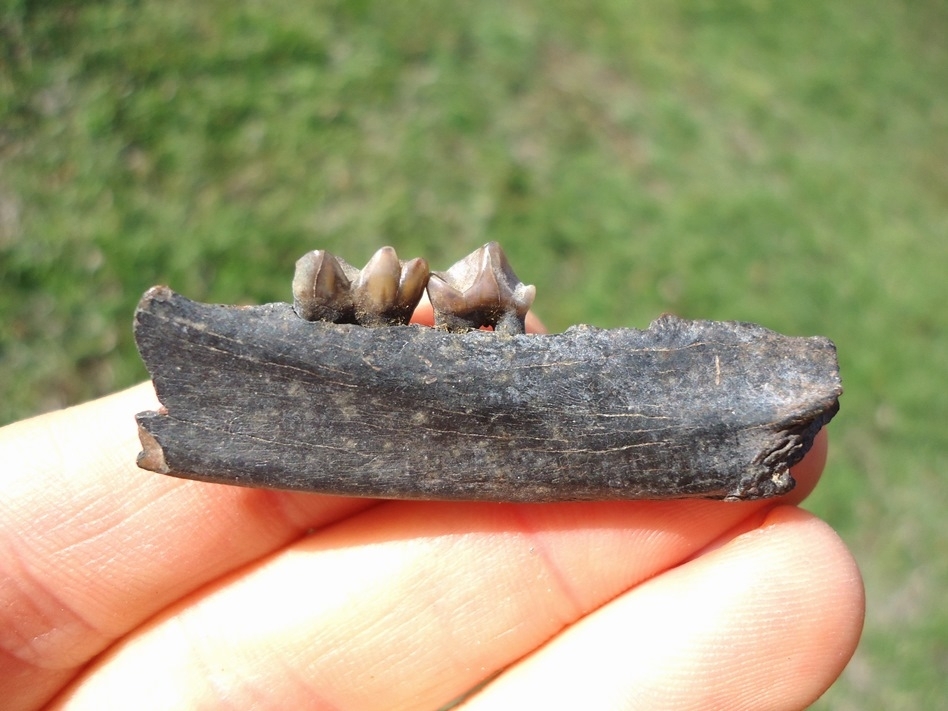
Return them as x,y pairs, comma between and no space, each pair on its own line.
767,621
138,530
90,545
407,605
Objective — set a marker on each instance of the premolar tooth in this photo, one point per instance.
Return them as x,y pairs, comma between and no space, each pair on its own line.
480,290
387,291
377,285
415,273
321,288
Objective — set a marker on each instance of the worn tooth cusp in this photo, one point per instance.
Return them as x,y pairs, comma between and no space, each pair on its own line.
384,293
480,290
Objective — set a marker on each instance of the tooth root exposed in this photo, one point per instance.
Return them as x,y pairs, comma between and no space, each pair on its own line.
384,293
480,290
321,288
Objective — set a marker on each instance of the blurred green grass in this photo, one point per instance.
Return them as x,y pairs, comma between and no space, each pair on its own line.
776,162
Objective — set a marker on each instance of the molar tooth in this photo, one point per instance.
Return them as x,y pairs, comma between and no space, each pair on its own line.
480,290
449,305
321,288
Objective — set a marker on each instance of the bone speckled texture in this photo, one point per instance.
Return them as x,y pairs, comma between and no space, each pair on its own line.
257,396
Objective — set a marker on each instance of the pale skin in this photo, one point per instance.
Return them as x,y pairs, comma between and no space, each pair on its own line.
120,588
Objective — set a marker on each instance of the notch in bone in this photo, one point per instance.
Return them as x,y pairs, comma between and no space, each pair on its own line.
480,290
384,293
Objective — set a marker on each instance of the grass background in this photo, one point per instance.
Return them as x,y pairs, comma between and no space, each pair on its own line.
779,162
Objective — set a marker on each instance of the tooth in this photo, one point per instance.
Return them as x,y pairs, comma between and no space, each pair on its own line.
387,291
376,288
321,288
384,293
480,290
414,279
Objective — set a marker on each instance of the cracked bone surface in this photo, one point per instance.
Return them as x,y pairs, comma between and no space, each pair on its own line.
480,290
384,293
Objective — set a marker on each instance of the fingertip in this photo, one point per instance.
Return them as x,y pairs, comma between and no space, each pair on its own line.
424,313
534,324
828,571
768,620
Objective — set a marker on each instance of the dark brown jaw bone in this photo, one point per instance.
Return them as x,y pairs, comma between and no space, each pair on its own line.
305,398
256,396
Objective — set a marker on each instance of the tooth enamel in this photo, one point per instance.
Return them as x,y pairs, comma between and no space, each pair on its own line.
415,274
480,290
321,288
385,292
377,286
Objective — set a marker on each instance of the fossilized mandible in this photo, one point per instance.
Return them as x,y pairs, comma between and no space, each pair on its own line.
258,396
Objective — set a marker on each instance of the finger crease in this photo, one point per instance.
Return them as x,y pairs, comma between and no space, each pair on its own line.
563,582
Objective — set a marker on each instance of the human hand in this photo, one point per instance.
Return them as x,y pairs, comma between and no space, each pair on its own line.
120,588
